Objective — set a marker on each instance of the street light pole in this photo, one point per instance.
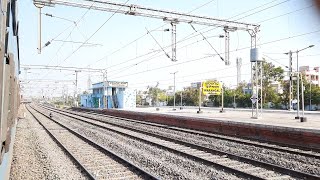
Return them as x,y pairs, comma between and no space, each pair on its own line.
222,97
181,100
310,97
298,82
302,99
174,90
76,90
290,82
199,111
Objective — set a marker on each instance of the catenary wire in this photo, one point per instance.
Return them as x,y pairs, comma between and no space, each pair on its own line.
190,37
205,57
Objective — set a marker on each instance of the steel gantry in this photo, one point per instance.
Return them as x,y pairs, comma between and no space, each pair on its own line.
171,17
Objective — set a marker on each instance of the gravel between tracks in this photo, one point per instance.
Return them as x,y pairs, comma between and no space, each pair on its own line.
160,162
37,156
291,161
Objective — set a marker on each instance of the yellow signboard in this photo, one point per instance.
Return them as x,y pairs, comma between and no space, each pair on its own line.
211,87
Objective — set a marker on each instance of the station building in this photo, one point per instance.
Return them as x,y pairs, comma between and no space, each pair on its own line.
109,95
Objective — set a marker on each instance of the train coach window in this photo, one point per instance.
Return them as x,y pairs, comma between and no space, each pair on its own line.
8,14
6,43
14,13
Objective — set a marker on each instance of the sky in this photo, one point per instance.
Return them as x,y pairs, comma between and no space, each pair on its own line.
123,47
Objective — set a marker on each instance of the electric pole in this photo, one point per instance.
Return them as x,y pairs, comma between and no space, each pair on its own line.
222,98
298,79
290,81
239,64
174,90
181,100
76,90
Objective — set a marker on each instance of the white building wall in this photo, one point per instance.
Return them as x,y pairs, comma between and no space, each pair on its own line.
312,74
129,98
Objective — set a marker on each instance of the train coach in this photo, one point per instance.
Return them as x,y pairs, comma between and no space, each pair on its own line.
9,80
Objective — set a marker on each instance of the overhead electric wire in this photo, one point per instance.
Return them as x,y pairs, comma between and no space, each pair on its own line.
186,38
297,10
190,75
137,40
207,42
246,16
290,37
155,56
77,22
53,16
77,42
264,9
159,45
195,80
286,66
119,49
92,34
205,57
65,67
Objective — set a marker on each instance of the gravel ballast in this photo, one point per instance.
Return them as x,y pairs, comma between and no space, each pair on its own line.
291,161
158,161
37,156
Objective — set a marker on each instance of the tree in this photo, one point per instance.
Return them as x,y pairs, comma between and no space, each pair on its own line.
242,99
190,97
153,94
271,74
139,99
315,92
157,95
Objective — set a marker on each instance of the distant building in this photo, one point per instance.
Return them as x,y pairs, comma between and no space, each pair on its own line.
110,94
247,89
312,74
277,87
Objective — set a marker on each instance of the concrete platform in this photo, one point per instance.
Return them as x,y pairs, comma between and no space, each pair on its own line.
280,118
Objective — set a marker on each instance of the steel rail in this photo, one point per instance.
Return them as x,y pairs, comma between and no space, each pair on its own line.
273,167
63,147
246,142
201,160
104,150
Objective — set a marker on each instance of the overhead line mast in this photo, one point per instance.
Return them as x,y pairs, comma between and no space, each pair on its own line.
172,17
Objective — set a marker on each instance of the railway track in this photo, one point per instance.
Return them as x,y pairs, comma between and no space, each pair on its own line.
280,148
96,161
245,167
283,149
276,147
